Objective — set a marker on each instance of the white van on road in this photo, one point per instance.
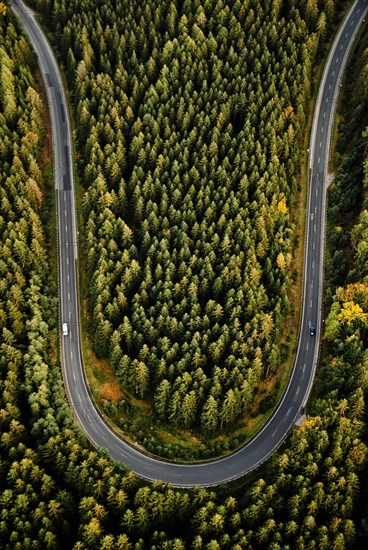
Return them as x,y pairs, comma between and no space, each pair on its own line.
65,329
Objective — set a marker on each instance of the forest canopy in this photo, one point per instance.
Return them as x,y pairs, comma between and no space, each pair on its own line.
189,117
57,492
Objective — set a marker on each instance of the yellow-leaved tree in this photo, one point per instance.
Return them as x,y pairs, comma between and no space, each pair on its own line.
351,312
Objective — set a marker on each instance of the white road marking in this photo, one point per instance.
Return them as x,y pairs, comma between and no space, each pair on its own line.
71,354
311,303
324,114
67,261
337,60
329,87
74,376
275,432
322,129
69,296
346,34
66,229
70,314
314,227
65,212
304,367
307,346
319,160
341,47
320,144
297,391
333,73
314,245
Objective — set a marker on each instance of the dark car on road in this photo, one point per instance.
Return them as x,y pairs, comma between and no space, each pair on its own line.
312,330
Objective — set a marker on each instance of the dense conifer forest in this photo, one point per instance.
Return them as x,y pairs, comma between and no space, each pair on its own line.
189,118
55,491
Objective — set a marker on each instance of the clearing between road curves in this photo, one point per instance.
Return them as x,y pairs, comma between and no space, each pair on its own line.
274,432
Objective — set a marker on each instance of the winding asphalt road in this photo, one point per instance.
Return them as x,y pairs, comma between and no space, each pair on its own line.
301,380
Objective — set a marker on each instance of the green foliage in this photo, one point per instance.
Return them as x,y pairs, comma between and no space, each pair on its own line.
348,190
34,509
55,492
189,120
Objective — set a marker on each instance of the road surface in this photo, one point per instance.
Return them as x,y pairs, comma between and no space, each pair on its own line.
296,395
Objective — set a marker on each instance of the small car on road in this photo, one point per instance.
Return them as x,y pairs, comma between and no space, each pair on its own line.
312,330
